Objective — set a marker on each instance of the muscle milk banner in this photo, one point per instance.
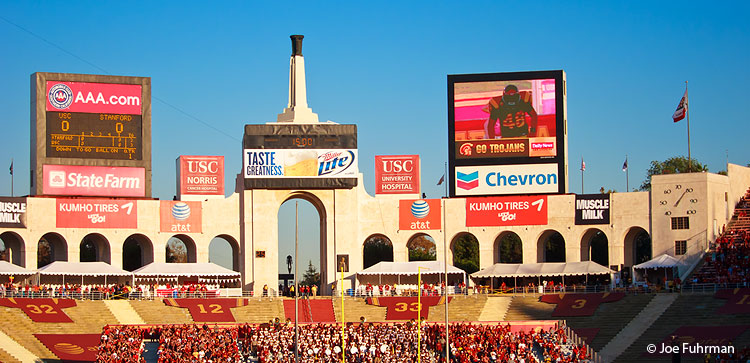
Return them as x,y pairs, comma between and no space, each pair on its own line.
397,174
96,213
592,209
12,212
506,211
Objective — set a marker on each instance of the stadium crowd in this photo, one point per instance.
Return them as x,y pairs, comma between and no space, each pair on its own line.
121,344
364,343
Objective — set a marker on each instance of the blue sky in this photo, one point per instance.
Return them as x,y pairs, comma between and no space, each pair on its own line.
383,66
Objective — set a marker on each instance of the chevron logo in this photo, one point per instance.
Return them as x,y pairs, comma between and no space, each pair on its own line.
467,181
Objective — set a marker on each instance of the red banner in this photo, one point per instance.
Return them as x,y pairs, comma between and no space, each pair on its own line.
397,174
201,175
72,347
94,97
506,211
93,181
406,307
185,217
738,301
419,214
319,310
208,310
43,310
96,213
580,304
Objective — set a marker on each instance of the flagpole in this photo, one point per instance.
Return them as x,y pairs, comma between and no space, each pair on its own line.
11,177
445,290
296,287
446,179
583,168
627,171
687,111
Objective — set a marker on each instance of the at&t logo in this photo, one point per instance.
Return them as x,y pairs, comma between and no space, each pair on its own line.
60,96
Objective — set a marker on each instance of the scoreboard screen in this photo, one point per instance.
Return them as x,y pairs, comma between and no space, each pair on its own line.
94,135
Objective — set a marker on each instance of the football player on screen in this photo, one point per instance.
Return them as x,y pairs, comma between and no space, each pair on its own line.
510,112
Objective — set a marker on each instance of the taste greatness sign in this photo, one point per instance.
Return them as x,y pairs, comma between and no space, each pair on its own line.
96,213
397,174
506,211
201,175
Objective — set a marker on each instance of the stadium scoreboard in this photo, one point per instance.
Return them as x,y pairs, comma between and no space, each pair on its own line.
89,120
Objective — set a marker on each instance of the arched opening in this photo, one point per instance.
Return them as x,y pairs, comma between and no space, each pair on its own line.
301,218
51,247
377,248
224,251
465,248
137,251
551,247
421,247
508,248
637,247
12,249
180,249
595,247
94,247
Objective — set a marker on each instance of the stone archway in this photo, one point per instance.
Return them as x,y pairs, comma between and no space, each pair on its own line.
508,248
551,247
137,251
50,248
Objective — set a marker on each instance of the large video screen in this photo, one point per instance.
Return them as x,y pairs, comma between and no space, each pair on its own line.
507,119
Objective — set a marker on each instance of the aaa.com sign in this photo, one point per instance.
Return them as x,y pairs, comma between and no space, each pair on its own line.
93,181
94,97
397,174
506,211
96,213
201,175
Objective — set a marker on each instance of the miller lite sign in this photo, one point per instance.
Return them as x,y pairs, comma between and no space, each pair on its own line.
200,175
397,174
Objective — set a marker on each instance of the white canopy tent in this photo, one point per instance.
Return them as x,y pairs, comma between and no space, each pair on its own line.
663,261
7,268
544,269
393,271
185,270
81,269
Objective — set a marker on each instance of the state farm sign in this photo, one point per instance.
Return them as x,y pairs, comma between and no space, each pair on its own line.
201,175
397,174
506,211
93,181
96,213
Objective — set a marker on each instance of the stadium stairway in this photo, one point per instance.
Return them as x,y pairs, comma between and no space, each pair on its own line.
156,312
610,318
123,311
258,311
355,308
460,308
635,328
687,310
88,318
529,308
495,308
13,352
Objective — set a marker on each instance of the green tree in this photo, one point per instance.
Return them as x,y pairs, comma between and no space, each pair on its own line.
311,276
176,251
510,249
422,248
466,253
43,253
673,165
376,249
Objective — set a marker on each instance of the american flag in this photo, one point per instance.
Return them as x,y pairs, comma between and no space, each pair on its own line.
682,108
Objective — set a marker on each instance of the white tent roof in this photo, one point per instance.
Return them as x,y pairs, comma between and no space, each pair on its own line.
184,269
409,268
7,268
542,269
659,262
82,269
